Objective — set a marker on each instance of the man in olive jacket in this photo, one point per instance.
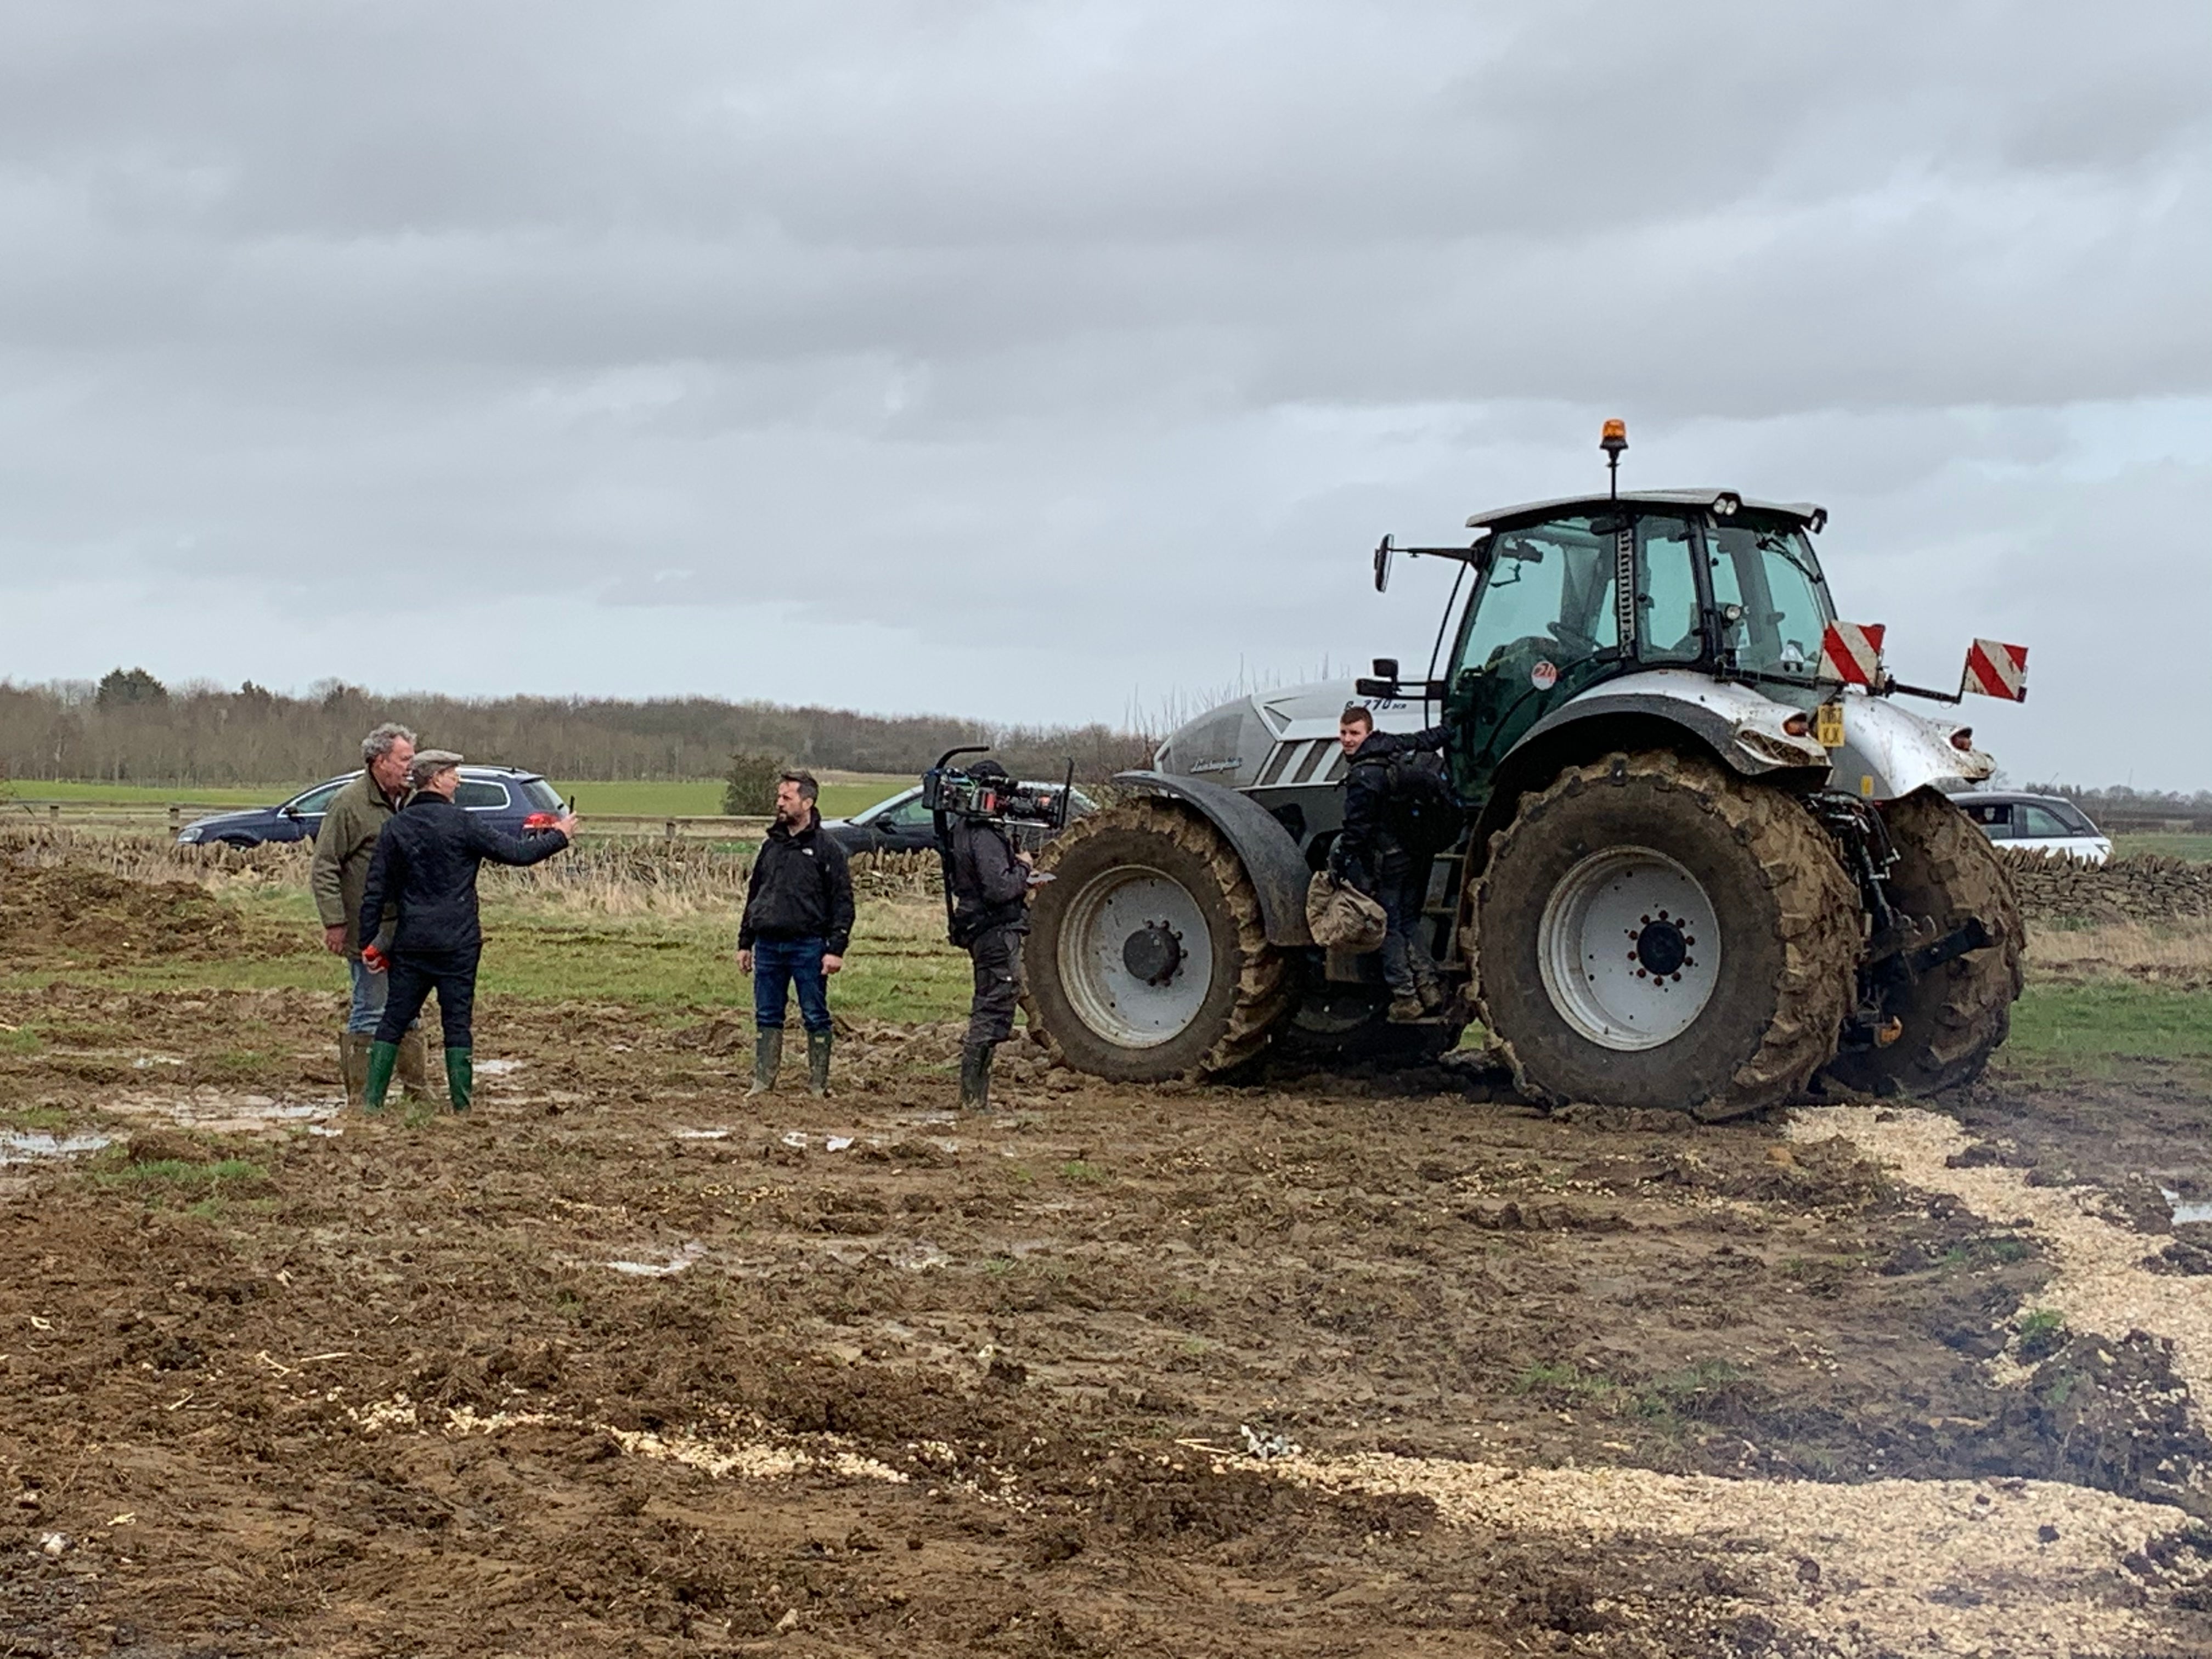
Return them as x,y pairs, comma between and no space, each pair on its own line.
798,922
337,876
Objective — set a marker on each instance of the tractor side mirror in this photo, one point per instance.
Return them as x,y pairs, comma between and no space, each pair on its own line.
1386,668
1384,550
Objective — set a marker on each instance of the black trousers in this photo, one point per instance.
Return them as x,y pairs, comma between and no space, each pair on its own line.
997,955
415,974
1401,887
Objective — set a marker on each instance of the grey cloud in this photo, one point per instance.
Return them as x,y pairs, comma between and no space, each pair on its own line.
1129,327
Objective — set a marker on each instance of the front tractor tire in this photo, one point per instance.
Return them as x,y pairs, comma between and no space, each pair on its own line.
1651,931
1953,1016
1147,959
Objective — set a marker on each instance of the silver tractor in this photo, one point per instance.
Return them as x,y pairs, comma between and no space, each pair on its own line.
1708,863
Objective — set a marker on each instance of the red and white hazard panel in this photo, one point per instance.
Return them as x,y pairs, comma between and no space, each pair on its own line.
1850,652
1997,670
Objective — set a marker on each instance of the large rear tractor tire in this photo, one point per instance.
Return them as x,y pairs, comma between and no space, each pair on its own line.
1955,1016
1651,931
1147,959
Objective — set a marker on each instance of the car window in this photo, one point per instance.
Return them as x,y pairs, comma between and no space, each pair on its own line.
908,815
2076,820
317,800
2038,821
543,796
1994,817
480,797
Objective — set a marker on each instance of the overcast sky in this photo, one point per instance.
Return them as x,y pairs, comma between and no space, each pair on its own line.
1048,363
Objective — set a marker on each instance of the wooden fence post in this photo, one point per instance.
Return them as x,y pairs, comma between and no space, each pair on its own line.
671,828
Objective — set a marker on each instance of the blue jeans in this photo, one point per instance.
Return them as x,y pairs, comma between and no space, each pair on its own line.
796,963
369,991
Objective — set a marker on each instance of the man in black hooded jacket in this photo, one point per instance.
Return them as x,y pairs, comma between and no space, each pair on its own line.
798,922
1372,853
990,881
419,908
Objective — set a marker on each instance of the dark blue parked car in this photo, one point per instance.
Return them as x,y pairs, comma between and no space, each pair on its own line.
507,797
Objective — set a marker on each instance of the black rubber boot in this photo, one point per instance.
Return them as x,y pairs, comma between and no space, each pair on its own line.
767,1060
383,1059
976,1077
818,1062
461,1077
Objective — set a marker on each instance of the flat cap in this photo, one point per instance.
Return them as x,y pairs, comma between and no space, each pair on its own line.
429,762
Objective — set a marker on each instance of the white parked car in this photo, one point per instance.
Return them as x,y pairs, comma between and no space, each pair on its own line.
2036,823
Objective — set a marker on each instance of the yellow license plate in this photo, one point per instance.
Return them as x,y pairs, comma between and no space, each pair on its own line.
1828,725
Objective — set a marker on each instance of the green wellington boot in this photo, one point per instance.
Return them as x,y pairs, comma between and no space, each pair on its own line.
818,1063
461,1077
768,1060
383,1059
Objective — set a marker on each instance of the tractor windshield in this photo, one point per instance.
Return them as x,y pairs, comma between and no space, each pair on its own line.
1766,579
1546,597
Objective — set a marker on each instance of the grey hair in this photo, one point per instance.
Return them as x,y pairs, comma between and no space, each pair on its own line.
378,743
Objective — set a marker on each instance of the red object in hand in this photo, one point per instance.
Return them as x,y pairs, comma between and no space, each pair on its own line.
374,959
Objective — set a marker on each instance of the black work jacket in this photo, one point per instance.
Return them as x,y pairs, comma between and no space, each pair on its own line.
1370,838
988,884
423,874
801,887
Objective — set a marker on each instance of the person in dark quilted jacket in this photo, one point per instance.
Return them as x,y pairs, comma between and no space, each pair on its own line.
419,911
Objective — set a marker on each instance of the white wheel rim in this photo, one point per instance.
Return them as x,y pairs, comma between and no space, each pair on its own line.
1630,949
1096,947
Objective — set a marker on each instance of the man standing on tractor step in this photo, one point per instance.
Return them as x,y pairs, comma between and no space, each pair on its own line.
1378,854
337,874
424,871
798,922
990,880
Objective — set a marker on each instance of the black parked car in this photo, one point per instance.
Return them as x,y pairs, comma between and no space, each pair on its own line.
902,824
506,796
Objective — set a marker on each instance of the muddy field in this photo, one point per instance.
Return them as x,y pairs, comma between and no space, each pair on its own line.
620,1364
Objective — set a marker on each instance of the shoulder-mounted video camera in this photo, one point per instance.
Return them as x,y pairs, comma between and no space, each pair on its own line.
952,791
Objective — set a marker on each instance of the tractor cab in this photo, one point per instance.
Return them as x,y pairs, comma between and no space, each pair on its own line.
1571,594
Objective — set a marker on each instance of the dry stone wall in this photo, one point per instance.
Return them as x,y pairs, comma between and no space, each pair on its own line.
2144,888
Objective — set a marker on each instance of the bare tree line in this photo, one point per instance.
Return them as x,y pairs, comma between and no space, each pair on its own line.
131,728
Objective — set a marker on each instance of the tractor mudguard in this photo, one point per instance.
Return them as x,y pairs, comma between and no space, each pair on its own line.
1742,728
1889,752
1278,870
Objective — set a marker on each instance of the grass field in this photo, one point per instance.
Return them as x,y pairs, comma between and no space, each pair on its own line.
2174,847
842,794
155,795
899,967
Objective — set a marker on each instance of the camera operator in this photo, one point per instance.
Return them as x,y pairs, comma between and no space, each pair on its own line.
990,879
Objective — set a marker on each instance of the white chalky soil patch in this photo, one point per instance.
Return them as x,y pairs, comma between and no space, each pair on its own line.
1925,1566
2100,1284
733,1450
